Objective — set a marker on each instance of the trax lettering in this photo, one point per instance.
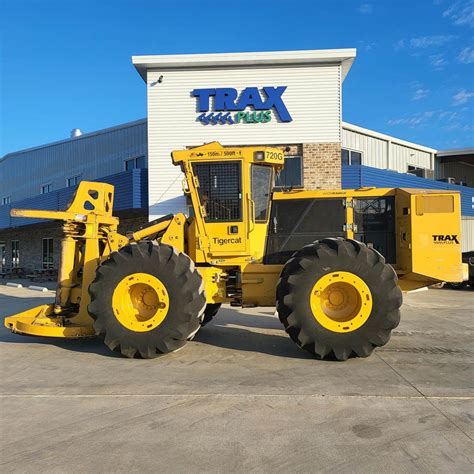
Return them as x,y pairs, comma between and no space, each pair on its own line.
438,238
225,99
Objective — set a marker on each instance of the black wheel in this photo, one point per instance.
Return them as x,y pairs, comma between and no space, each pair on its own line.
146,300
209,313
338,298
457,286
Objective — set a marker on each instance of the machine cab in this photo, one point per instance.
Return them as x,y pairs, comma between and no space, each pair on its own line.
230,190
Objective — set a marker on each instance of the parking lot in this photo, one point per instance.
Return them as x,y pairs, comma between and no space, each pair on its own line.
243,397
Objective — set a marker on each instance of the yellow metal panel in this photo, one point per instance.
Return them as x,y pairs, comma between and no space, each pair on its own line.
434,204
41,321
174,234
320,193
259,284
429,238
215,284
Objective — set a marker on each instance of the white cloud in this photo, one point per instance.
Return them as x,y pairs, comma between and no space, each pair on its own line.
461,13
400,44
410,121
438,61
367,46
433,118
448,116
420,94
462,97
423,42
415,121
366,8
466,56
430,41
459,126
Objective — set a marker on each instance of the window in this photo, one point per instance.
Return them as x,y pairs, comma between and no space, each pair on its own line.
420,172
134,163
291,176
48,253
15,253
6,200
261,190
350,157
73,181
220,190
46,188
3,252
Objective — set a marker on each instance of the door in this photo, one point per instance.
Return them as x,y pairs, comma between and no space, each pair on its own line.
221,196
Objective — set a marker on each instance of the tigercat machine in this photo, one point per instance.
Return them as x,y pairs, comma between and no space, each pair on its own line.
333,262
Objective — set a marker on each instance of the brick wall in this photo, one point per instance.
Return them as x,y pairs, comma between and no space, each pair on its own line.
31,245
322,165
31,242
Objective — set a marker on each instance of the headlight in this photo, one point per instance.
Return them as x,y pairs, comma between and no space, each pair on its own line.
259,155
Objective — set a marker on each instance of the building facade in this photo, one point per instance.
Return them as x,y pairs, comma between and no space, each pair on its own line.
46,177
292,100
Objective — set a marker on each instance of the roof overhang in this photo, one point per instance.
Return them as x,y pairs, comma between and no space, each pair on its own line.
344,57
457,152
387,138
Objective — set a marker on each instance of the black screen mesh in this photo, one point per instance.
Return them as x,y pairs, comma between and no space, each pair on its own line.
220,190
375,220
295,223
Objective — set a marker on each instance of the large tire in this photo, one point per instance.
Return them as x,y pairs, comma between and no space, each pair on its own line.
298,280
183,309
457,286
209,313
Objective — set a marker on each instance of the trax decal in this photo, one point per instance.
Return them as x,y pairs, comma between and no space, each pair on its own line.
227,100
445,239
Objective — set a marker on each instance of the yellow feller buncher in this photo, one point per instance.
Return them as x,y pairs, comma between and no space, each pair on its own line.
333,262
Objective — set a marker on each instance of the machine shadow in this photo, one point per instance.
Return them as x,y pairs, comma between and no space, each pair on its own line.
234,330
230,329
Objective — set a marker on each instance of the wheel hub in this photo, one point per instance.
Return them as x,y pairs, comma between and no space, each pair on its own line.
341,301
140,302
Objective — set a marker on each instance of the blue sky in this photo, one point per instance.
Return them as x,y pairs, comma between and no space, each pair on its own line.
66,64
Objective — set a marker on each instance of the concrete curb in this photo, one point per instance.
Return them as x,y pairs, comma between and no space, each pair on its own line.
14,285
38,288
425,288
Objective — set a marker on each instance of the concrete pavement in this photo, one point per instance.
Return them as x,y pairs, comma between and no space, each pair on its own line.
242,397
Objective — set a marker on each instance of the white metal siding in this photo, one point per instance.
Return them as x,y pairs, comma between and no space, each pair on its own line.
91,156
384,153
312,97
402,156
374,150
467,234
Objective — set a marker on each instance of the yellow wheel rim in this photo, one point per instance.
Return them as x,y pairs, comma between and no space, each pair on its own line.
140,302
341,302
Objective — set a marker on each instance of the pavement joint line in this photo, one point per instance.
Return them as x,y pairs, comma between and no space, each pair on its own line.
235,395
428,399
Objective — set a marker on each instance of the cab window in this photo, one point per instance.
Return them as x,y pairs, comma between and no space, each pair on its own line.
262,177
